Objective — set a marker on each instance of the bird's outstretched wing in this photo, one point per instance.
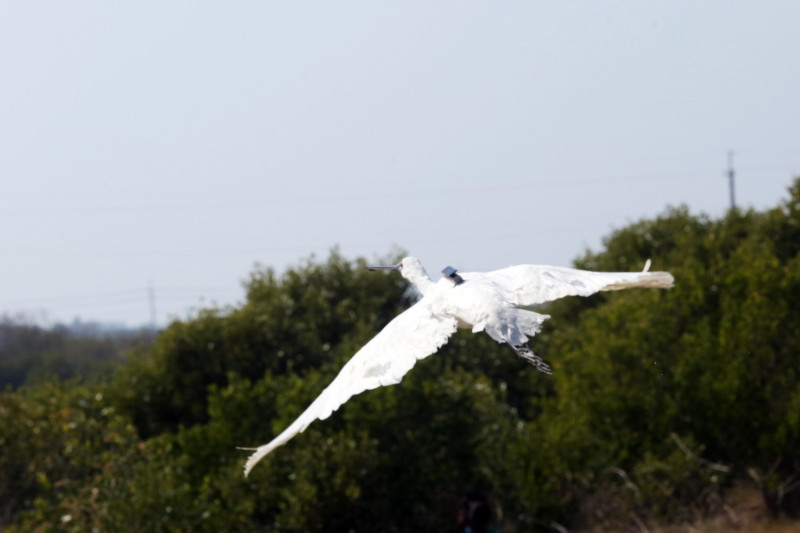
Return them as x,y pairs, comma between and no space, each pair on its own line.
414,334
535,284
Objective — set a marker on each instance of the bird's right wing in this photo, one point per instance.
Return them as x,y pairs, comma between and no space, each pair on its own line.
535,284
414,334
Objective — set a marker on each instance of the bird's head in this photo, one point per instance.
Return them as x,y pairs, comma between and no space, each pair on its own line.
412,270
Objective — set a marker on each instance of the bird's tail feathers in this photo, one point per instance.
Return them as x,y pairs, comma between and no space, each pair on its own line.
530,322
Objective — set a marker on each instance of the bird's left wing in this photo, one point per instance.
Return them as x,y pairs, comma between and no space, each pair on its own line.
535,284
414,334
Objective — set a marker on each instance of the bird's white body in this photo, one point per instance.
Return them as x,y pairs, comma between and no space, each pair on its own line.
490,302
495,315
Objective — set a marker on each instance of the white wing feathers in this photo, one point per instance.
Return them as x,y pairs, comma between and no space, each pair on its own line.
414,334
535,284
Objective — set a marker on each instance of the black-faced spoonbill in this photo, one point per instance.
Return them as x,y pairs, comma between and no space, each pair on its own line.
482,301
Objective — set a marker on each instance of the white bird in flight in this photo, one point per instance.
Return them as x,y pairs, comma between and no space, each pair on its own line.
482,301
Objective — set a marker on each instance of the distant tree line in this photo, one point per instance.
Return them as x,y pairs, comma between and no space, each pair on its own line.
660,402
31,353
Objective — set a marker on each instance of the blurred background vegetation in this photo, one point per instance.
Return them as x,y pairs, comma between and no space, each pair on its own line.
664,406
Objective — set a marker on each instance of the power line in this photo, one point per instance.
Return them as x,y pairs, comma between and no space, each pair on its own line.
123,296
548,180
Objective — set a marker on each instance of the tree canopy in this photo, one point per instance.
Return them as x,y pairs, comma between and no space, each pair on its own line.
660,401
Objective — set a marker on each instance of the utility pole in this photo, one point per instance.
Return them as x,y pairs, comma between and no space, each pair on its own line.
151,295
730,179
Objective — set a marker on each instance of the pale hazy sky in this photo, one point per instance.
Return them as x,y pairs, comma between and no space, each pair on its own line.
180,143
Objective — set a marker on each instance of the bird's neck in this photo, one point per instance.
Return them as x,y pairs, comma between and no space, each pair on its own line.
420,280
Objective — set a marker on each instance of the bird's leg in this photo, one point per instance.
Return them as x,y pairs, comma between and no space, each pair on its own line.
524,352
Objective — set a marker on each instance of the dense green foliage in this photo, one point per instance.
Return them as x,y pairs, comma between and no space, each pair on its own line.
659,401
